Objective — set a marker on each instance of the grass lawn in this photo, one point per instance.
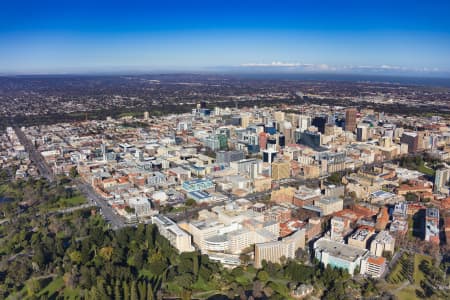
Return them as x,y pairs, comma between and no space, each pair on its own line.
74,201
71,294
51,289
418,275
396,274
427,171
206,294
64,203
408,293
173,287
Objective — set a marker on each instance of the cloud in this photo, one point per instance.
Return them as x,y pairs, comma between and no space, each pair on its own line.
272,64
305,67
280,64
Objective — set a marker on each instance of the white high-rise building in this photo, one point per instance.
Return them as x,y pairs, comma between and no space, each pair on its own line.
304,122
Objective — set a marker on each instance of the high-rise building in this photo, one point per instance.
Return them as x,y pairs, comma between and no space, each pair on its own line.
279,116
281,140
350,119
382,242
275,250
329,129
223,141
212,142
269,155
310,139
245,120
280,170
411,139
441,178
362,132
432,225
263,140
225,157
304,122
320,122
340,227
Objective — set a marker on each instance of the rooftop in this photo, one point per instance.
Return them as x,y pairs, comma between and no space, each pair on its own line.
338,250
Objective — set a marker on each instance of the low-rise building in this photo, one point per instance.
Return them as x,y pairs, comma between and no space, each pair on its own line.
339,255
373,266
360,238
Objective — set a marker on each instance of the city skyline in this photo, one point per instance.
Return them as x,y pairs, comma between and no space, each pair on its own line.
405,38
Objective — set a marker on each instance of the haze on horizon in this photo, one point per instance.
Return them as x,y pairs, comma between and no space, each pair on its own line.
382,37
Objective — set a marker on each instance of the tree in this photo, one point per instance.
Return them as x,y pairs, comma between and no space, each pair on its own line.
150,294
39,256
142,289
73,172
263,276
411,197
245,258
133,291
126,291
190,202
117,292
33,286
75,257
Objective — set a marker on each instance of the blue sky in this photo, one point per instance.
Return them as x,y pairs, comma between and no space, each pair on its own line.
321,35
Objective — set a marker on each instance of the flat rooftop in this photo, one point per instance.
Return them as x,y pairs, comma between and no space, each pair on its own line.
338,250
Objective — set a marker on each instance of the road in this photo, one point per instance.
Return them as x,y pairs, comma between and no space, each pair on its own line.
107,211
35,156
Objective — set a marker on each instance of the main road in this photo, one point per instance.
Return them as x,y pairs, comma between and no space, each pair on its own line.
107,211
35,156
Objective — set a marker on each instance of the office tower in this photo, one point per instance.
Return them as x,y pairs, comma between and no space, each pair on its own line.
288,132
329,129
104,152
146,115
269,155
320,122
263,140
281,170
304,122
310,139
411,139
225,157
350,119
297,135
279,116
272,143
282,140
362,132
245,120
